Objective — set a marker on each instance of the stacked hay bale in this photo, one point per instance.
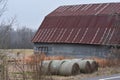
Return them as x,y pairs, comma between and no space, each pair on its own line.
84,66
69,67
45,67
55,66
93,64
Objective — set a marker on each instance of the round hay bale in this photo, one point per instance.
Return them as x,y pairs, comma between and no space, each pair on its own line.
55,65
45,67
66,60
69,68
94,65
77,60
85,66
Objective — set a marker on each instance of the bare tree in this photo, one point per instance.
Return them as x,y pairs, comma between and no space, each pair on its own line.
21,38
5,29
26,35
3,4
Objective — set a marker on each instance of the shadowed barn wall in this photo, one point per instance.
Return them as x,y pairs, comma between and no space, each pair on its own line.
73,50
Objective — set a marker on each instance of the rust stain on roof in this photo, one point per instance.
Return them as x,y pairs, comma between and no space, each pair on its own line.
86,24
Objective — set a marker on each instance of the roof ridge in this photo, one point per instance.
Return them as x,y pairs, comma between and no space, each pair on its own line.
86,9
91,3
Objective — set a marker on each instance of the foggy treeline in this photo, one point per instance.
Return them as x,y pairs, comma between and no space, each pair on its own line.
11,38
15,39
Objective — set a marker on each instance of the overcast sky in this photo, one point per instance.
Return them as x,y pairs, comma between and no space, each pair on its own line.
31,13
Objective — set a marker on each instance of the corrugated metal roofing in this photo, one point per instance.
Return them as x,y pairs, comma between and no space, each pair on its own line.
87,9
81,25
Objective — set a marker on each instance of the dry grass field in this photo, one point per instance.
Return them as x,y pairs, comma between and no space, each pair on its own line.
101,71
21,51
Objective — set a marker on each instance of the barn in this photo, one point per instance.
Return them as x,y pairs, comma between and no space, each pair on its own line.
80,30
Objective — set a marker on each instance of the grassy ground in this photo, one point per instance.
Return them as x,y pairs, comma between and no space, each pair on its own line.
21,51
100,72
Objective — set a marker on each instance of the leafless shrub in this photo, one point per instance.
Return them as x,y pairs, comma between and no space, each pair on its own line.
15,68
3,67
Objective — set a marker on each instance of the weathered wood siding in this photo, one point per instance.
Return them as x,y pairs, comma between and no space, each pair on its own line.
75,50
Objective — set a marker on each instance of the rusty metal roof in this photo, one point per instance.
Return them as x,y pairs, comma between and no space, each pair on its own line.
85,24
87,9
